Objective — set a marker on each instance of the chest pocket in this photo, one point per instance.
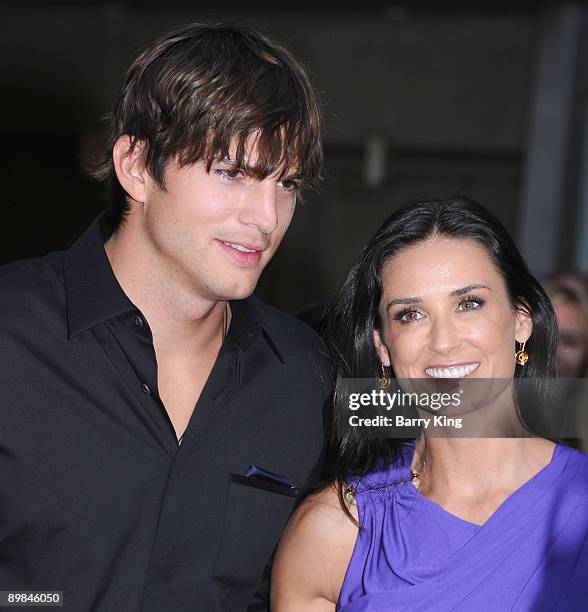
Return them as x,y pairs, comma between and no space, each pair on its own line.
253,522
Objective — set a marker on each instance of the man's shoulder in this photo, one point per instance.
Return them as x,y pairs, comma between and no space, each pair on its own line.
285,328
30,282
298,343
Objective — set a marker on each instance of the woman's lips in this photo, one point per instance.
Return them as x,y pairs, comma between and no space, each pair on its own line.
452,371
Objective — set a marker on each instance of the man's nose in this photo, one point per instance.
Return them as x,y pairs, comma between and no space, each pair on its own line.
260,208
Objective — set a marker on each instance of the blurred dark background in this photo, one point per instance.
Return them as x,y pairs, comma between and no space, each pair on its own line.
420,100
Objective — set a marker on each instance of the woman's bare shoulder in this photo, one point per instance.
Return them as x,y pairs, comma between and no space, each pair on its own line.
322,509
313,555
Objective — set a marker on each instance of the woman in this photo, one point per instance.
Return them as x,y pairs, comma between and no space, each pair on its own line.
445,523
569,294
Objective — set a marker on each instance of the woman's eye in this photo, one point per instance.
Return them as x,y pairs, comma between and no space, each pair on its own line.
469,305
409,316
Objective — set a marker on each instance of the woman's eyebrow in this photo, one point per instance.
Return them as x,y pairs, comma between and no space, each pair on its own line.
467,289
454,293
410,300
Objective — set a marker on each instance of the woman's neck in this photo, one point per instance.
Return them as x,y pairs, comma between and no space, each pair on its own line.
478,467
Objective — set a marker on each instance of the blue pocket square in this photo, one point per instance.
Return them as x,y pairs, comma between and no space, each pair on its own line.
259,473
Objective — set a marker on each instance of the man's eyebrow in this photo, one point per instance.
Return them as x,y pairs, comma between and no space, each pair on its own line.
234,166
249,170
416,300
294,176
233,163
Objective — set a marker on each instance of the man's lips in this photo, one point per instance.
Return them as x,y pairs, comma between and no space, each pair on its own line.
248,246
243,253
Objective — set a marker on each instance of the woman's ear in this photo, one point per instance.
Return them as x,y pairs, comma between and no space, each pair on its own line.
381,348
523,323
127,157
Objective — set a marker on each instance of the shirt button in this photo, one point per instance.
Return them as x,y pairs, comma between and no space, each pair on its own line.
145,388
138,321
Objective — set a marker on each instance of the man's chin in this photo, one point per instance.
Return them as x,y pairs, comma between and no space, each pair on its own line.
238,291
239,295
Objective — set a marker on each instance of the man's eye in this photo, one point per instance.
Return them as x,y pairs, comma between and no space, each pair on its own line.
288,185
229,174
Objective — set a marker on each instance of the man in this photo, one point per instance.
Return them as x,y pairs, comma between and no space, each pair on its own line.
156,420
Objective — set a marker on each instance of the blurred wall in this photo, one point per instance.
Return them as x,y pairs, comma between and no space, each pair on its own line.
418,103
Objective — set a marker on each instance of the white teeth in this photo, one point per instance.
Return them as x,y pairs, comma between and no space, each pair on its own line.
238,247
453,371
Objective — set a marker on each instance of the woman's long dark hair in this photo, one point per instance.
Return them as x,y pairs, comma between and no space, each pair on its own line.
353,316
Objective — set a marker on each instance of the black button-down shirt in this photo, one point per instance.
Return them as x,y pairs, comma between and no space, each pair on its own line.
97,498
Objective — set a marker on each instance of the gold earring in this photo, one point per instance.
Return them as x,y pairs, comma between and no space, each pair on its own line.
384,382
521,356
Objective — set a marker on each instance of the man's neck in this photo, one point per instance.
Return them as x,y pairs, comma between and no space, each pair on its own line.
181,321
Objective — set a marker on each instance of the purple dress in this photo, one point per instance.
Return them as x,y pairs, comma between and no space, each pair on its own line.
531,554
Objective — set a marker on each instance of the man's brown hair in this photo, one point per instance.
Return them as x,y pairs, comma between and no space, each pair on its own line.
204,87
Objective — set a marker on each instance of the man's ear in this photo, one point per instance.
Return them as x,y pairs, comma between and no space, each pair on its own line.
381,348
523,323
128,165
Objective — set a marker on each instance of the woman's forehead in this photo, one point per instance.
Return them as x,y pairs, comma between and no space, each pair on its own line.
437,265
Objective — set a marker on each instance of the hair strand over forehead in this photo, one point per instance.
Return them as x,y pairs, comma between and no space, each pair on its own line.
204,90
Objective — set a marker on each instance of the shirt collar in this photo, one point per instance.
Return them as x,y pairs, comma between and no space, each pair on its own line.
93,294
248,325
